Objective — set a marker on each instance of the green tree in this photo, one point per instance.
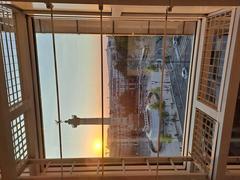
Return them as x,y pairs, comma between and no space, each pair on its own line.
166,138
154,106
164,114
168,59
151,68
163,104
155,90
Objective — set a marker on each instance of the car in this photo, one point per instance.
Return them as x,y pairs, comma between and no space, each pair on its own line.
176,41
157,63
184,73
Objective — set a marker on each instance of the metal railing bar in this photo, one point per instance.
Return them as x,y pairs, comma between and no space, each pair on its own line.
46,168
173,165
148,165
98,165
123,166
134,160
72,168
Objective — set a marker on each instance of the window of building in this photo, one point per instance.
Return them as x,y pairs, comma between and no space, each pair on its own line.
216,36
19,138
10,58
203,139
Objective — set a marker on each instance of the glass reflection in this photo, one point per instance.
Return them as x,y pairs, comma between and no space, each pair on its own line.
132,80
134,65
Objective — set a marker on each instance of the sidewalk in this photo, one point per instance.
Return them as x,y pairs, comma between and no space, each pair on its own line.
171,127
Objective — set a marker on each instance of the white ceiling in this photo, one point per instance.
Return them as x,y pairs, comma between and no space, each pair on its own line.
118,9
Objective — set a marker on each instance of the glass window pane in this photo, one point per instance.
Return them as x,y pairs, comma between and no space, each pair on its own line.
132,80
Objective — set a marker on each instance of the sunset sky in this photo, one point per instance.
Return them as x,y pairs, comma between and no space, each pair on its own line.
78,59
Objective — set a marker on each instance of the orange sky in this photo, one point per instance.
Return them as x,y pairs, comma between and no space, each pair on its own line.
79,69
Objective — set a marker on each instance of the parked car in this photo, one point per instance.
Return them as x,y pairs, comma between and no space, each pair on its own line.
157,63
184,73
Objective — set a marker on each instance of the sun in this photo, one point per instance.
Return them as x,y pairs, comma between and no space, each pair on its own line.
98,146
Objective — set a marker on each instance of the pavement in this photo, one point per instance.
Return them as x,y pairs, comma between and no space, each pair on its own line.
171,127
174,95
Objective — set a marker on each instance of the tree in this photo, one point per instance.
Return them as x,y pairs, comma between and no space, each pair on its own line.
164,105
167,138
155,90
154,106
167,59
164,114
151,68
